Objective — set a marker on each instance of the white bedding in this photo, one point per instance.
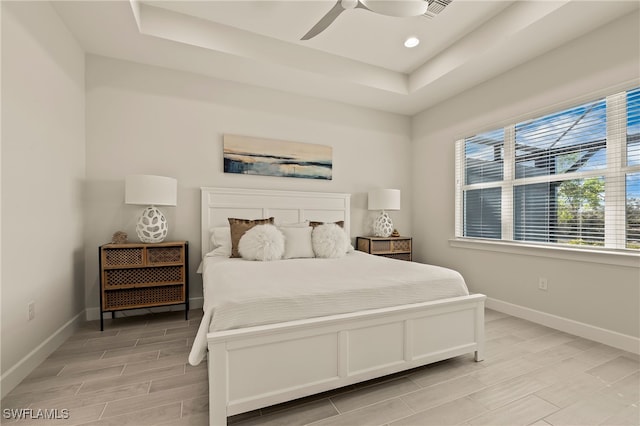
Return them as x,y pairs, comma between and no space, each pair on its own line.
240,293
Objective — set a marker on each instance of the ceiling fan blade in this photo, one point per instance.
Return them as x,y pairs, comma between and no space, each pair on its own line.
326,20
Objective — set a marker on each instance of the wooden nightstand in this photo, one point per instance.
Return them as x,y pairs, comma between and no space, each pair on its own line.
142,275
394,247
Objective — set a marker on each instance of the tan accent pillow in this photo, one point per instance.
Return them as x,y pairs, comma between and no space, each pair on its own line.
313,224
239,227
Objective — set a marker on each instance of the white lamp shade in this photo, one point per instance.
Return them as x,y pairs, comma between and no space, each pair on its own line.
151,190
384,199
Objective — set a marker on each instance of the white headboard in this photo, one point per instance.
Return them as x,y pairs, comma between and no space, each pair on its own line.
218,204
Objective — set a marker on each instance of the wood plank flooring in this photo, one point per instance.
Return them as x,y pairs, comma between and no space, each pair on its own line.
136,373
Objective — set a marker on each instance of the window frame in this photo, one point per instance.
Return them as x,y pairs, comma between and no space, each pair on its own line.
614,250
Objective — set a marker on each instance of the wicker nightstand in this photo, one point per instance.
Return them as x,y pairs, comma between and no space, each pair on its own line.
141,275
394,247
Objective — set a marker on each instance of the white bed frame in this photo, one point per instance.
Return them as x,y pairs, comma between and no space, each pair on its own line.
254,367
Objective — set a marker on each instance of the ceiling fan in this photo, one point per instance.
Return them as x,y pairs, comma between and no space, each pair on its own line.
398,8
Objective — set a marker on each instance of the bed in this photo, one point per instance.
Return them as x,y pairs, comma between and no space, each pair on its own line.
389,325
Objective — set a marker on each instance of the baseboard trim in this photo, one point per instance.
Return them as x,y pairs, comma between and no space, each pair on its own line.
601,335
194,303
14,375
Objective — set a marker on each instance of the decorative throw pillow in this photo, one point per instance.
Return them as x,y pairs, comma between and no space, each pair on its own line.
262,242
329,240
297,242
313,223
239,227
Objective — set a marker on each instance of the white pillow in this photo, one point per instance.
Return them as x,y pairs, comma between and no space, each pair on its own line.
221,241
220,251
262,242
329,241
297,242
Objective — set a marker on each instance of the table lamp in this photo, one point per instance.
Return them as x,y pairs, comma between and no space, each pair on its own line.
384,199
152,191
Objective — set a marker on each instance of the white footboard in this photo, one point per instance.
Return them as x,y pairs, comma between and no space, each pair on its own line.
259,366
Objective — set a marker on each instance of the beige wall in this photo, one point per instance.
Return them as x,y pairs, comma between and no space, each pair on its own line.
149,120
599,295
43,165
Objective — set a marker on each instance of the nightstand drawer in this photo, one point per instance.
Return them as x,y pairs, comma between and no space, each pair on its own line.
390,246
393,247
118,257
165,255
143,297
151,276
399,256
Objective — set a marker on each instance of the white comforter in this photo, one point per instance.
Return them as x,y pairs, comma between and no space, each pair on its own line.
240,293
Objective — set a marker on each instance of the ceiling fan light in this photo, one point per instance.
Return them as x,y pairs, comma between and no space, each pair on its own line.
411,42
348,4
398,8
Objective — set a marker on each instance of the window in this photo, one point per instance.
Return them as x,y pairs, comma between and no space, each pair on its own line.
571,177
632,188
484,157
633,210
482,213
483,164
633,127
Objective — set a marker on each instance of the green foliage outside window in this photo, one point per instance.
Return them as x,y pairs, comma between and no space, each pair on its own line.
581,211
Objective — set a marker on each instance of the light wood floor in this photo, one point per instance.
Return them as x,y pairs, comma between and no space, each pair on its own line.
135,373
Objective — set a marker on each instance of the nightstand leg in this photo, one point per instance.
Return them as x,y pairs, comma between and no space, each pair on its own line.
101,322
186,281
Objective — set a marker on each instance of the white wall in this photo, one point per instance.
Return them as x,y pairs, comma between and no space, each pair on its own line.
149,120
595,294
43,165
142,119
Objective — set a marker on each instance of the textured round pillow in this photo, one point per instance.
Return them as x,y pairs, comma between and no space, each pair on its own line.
262,242
329,241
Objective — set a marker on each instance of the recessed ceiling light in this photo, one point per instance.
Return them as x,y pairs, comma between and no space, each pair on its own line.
411,42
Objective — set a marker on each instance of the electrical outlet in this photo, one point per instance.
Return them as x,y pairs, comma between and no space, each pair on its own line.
31,310
543,284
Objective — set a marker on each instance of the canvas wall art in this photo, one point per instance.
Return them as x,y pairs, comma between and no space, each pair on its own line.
270,157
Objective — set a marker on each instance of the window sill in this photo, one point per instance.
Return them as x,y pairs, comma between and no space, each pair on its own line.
607,257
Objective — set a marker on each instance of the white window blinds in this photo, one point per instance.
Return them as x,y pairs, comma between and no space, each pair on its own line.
483,174
571,177
632,178
559,189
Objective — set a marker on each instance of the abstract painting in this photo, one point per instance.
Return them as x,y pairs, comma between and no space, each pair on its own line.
270,157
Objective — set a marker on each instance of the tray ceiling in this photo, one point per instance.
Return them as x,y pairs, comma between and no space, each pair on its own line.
359,59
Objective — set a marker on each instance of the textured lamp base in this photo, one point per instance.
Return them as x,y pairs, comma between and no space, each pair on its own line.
152,226
382,227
